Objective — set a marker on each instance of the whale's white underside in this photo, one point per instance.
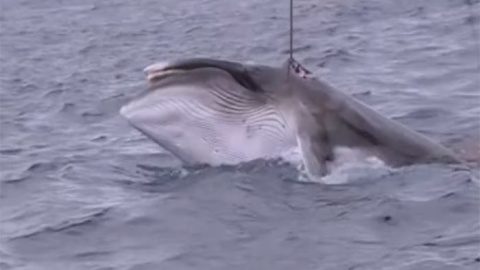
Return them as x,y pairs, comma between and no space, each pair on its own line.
213,125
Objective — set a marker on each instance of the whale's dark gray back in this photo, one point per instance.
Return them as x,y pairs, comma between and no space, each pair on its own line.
352,123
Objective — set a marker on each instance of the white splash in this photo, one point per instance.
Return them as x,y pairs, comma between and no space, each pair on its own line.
349,165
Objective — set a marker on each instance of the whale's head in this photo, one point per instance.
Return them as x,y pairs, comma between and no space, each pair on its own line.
207,110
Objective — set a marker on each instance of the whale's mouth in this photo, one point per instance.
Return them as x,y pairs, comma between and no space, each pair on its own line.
159,71
239,73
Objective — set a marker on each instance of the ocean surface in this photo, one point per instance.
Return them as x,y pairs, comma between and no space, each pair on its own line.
81,189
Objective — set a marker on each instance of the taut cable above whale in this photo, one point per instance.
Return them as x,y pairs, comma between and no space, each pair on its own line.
221,112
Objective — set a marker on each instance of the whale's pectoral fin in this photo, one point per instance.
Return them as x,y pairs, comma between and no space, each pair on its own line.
315,149
314,155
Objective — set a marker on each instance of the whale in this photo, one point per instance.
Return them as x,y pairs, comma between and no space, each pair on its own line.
214,111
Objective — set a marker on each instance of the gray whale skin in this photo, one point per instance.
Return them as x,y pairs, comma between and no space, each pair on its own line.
222,112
